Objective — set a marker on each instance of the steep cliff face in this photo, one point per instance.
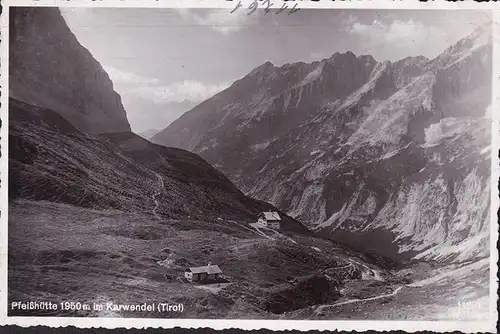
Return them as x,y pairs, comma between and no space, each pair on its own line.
397,148
49,68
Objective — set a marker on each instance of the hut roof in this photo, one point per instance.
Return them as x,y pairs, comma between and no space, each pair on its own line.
210,269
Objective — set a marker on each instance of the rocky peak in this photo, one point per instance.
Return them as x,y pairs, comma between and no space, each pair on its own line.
480,38
49,68
406,69
262,69
368,60
412,61
341,58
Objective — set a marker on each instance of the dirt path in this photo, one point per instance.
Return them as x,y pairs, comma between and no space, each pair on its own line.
161,186
352,301
257,229
253,230
278,234
343,267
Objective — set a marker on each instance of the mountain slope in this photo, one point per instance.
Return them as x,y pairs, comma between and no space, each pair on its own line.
120,170
395,152
130,216
281,98
49,68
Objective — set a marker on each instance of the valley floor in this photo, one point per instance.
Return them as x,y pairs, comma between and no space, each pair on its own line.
62,253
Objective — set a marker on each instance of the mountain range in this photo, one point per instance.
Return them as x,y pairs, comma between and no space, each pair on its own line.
374,168
355,148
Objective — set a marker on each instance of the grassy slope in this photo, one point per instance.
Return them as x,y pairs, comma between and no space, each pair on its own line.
60,252
63,252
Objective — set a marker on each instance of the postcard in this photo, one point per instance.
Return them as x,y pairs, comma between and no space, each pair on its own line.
250,164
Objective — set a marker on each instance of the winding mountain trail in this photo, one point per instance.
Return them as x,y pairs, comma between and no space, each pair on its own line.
344,267
352,301
256,227
277,233
161,186
253,230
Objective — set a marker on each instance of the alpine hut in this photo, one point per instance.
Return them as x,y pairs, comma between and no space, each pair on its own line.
270,219
210,272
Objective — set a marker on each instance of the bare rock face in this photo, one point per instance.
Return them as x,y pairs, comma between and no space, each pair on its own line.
360,149
263,106
50,69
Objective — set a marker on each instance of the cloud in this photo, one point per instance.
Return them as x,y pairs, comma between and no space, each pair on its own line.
122,77
179,91
127,83
347,20
220,20
409,36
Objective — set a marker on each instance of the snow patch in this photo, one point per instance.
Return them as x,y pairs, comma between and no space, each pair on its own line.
260,146
394,152
485,150
315,152
445,129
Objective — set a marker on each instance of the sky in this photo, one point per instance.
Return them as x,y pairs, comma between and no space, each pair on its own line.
165,61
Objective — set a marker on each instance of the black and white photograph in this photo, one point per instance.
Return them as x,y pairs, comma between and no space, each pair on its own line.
252,162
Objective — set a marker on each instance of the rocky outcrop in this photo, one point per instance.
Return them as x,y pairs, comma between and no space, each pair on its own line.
49,68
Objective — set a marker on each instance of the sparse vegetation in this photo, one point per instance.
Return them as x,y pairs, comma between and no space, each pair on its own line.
64,252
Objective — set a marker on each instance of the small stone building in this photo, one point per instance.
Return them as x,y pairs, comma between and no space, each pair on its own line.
210,272
270,219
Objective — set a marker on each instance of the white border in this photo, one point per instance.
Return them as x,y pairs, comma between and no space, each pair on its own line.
495,168
302,325
312,4
4,161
